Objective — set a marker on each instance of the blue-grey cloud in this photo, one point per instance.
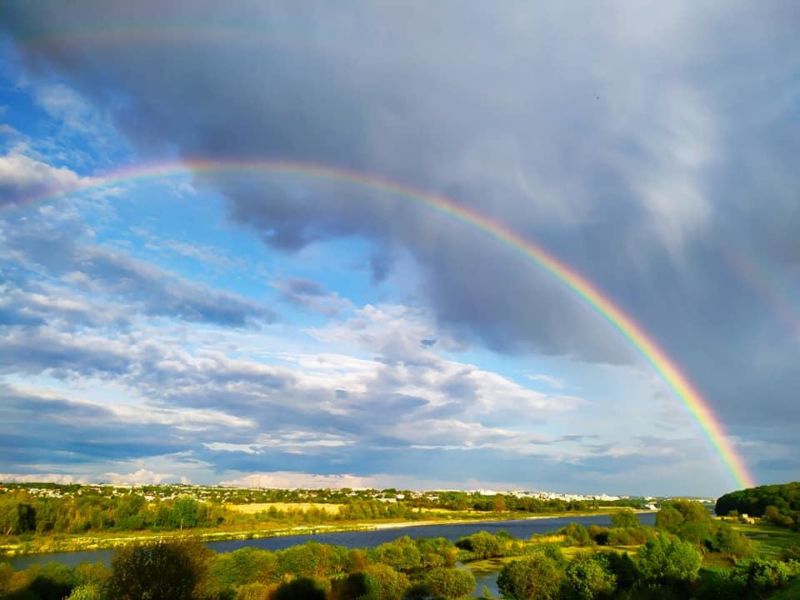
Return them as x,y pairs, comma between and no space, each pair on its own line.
644,144
60,247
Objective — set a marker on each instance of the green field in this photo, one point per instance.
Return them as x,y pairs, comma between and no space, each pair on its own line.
769,539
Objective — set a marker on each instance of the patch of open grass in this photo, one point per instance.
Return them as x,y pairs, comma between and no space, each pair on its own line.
769,539
790,592
249,509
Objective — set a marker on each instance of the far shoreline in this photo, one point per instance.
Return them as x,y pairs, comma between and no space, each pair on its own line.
84,543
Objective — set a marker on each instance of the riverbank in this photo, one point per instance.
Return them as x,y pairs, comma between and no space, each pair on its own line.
84,543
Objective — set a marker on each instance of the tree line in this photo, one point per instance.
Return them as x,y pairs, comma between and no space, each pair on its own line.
653,563
91,509
778,504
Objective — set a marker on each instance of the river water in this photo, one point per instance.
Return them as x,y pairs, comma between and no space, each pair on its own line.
522,529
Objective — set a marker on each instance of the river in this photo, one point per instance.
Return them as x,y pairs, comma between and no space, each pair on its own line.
522,529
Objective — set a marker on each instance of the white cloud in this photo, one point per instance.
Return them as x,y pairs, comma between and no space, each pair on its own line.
41,478
140,477
23,178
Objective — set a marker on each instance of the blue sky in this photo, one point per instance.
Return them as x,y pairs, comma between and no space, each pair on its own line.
267,328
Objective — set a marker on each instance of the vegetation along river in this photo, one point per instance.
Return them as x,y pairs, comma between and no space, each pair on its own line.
522,529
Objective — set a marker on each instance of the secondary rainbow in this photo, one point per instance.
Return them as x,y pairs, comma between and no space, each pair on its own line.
633,333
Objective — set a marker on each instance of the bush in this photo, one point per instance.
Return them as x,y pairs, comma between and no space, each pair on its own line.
482,545
576,534
304,588
599,534
243,566
402,554
729,541
89,591
791,552
625,518
537,577
389,584
759,576
449,583
158,570
668,560
586,579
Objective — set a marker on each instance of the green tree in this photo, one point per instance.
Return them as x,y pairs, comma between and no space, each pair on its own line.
449,583
402,554
587,579
243,566
577,534
669,519
159,570
390,584
537,577
625,518
304,588
313,559
482,545
89,591
760,576
729,541
668,560
16,516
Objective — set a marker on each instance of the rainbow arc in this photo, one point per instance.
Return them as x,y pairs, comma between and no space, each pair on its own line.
633,333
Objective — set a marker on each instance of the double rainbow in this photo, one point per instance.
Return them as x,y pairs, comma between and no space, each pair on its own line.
631,331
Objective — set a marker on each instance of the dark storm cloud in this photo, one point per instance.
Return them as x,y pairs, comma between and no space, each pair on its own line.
633,139
73,432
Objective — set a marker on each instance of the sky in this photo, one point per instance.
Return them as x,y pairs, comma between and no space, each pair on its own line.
161,322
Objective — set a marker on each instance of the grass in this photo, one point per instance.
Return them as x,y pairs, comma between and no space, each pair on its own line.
251,509
769,539
790,592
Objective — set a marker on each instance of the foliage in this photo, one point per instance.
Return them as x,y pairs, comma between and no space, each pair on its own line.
449,583
622,567
313,559
791,552
729,541
577,534
587,578
669,519
88,591
158,570
241,567
253,591
628,536
388,583
535,577
402,554
625,518
785,498
668,560
436,552
482,545
304,588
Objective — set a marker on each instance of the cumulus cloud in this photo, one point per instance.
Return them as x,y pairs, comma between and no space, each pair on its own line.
60,478
61,245
140,477
639,143
23,178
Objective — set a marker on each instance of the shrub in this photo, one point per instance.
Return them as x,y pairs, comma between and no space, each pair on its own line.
449,583
536,577
668,560
576,534
304,588
586,579
158,570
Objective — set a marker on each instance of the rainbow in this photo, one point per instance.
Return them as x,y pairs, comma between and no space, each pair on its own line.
571,279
